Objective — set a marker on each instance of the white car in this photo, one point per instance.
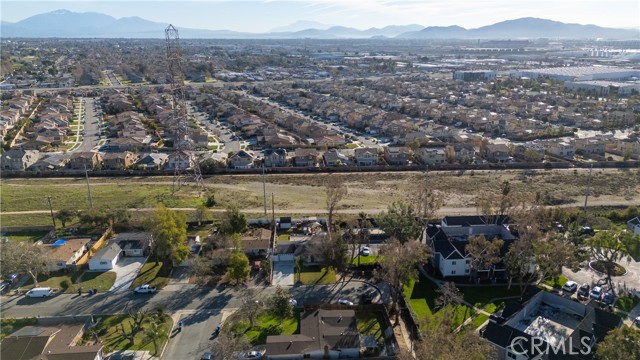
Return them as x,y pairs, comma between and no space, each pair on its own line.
365,251
596,292
570,286
145,289
637,321
252,355
345,302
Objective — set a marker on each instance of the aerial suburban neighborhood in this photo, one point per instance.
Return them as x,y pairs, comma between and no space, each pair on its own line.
404,192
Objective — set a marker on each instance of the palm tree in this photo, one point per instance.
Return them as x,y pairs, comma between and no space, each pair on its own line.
299,263
154,332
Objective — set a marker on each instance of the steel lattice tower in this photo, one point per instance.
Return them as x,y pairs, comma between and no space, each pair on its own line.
185,163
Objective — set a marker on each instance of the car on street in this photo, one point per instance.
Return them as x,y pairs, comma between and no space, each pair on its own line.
345,302
367,297
252,355
207,355
365,251
637,321
4,286
145,289
570,286
583,291
39,292
596,292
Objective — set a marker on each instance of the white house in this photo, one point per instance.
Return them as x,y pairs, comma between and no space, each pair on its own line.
105,258
634,225
449,239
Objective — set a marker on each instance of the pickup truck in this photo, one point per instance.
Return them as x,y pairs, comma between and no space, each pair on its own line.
145,289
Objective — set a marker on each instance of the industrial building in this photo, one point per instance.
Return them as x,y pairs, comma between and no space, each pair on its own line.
581,73
474,75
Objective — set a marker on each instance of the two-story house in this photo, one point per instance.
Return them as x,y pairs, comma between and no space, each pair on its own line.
118,161
85,160
366,156
430,156
275,158
18,159
243,159
306,157
398,155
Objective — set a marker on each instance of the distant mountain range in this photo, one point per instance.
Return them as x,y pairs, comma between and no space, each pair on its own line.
67,24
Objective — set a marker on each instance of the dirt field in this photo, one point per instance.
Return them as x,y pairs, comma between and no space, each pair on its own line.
304,193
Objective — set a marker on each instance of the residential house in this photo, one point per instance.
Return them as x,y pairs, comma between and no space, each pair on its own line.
55,342
497,153
182,160
85,160
448,241
429,156
199,137
134,244
330,141
590,147
18,159
563,149
125,144
306,157
153,161
334,157
275,158
118,161
634,225
64,254
257,242
105,258
533,329
50,163
398,155
220,159
324,334
460,152
243,159
366,156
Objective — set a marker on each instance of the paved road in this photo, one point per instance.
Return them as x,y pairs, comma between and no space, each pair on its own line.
196,336
172,298
91,127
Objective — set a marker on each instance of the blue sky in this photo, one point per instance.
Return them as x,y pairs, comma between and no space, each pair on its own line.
262,16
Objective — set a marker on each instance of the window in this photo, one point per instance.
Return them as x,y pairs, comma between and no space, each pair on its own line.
453,263
468,262
453,272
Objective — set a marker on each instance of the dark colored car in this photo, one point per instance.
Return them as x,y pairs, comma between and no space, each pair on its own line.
583,291
608,298
587,230
367,297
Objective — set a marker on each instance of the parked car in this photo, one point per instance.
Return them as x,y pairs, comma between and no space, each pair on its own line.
145,289
587,230
252,355
367,297
207,355
11,278
345,302
596,292
365,251
39,292
608,298
570,286
637,321
4,286
583,291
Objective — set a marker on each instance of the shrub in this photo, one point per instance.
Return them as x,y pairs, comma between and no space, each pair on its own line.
65,284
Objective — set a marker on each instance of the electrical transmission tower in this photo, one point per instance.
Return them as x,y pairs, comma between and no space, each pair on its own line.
185,163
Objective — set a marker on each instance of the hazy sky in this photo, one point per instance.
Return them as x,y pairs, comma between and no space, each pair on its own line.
262,16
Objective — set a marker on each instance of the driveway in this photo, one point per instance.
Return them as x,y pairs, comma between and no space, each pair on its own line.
126,270
630,280
283,273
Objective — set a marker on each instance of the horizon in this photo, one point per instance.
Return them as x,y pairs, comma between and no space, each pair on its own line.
266,16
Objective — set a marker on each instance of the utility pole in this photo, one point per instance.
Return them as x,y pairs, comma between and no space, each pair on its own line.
264,189
53,218
86,176
586,194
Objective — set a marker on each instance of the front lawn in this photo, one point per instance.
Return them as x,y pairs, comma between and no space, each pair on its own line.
154,274
109,329
9,326
366,260
31,236
266,324
102,281
371,324
316,275
626,303
556,283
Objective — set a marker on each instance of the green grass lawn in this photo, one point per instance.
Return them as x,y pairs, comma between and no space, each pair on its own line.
9,326
267,324
109,331
33,235
365,260
102,281
316,275
371,323
154,274
556,283
284,237
480,296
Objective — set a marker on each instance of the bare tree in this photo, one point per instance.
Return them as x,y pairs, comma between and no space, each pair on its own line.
398,266
330,251
448,295
439,342
137,318
484,253
335,191
425,200
250,306
227,345
24,257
